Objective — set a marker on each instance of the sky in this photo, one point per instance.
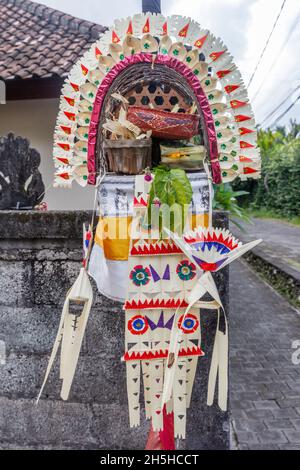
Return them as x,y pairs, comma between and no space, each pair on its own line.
244,26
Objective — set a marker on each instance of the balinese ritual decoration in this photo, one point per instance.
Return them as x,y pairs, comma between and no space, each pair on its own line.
153,114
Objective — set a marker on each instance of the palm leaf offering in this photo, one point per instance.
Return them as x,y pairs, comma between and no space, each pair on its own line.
119,127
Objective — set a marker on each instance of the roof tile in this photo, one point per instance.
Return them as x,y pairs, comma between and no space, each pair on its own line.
37,41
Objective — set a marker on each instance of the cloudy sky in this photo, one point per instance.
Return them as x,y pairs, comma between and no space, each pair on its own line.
244,26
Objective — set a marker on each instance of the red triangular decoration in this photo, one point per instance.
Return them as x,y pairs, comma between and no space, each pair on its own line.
244,130
165,29
248,170
146,28
70,116
183,32
67,130
242,117
230,88
237,103
199,43
63,160
64,146
98,53
64,176
129,29
245,145
84,69
223,73
115,38
70,101
215,55
74,86
244,159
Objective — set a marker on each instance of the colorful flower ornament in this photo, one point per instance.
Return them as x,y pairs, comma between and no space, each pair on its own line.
189,324
186,270
140,276
138,325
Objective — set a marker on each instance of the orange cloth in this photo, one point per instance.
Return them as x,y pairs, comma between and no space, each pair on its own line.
113,234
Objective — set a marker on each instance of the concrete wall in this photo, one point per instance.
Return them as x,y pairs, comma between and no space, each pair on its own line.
39,260
35,120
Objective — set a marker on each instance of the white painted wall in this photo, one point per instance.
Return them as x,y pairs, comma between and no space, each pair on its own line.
35,120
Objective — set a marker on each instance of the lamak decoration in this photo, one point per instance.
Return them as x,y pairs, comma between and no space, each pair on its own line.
167,280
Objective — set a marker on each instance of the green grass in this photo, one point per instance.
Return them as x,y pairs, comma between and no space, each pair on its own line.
267,214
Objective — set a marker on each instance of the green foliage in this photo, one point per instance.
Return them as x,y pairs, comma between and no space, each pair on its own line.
226,199
171,188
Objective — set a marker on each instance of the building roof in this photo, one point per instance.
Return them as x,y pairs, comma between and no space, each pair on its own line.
37,42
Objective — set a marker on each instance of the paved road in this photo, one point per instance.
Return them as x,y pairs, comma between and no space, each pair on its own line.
265,385
281,242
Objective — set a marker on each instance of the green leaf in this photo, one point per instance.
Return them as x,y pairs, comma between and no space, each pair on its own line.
182,186
173,189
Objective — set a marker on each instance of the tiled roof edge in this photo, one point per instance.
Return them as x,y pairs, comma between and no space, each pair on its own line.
58,18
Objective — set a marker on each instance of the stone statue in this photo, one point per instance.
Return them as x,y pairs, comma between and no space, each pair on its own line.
21,184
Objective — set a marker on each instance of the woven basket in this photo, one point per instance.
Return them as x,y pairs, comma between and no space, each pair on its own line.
128,157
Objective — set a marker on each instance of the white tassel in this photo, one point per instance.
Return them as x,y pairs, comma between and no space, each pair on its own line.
70,333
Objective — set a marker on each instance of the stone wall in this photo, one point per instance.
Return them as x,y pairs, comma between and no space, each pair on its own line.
40,257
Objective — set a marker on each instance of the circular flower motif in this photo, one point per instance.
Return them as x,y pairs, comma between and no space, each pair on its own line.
186,270
138,325
140,276
189,324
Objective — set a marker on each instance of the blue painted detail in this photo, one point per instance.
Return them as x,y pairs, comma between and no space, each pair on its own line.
222,249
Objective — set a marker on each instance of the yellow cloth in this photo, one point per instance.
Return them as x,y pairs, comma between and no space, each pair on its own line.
113,234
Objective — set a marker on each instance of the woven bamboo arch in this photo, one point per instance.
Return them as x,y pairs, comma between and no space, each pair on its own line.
181,77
